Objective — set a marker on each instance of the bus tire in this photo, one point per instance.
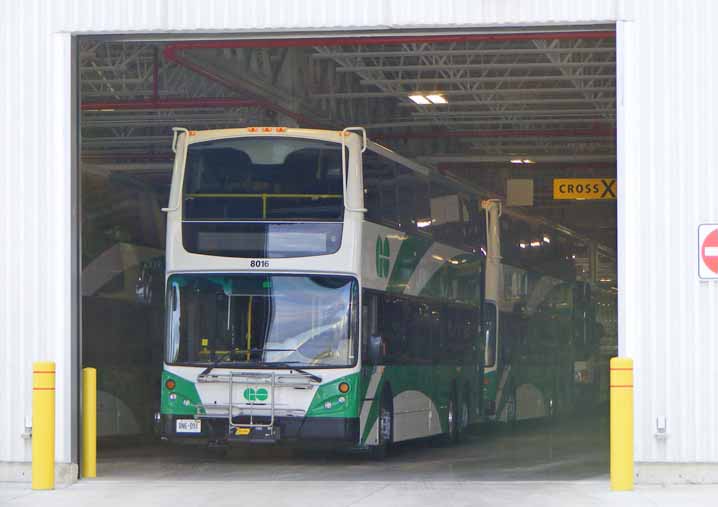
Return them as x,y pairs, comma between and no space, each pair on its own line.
386,426
511,405
453,423
465,411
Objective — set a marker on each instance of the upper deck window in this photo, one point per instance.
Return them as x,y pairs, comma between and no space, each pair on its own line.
263,179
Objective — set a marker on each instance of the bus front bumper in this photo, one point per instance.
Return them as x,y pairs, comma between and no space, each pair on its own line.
285,429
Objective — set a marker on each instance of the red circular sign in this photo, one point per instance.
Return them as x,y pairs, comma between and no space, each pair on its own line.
709,251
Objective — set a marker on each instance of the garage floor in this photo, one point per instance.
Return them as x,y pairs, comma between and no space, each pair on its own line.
531,466
568,452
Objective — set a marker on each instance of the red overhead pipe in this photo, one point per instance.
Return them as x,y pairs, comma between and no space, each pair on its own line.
170,51
368,40
173,104
498,133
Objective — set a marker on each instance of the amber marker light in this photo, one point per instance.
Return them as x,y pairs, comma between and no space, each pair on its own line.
343,388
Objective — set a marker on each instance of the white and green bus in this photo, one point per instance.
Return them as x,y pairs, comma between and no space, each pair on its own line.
549,321
319,288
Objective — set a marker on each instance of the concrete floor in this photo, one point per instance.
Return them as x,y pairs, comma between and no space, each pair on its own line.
574,452
567,465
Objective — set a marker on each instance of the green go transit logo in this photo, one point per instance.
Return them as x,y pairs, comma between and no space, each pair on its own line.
382,257
252,394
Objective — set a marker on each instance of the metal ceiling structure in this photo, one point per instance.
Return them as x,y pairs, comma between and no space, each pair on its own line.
548,98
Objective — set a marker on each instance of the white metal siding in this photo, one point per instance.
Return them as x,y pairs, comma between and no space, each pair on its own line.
667,55
668,186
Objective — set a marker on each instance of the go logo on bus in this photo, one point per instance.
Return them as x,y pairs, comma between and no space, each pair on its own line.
252,394
382,257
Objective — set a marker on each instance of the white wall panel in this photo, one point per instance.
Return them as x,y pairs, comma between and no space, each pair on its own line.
667,172
669,180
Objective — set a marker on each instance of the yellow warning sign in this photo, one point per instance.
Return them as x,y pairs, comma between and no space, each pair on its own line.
584,188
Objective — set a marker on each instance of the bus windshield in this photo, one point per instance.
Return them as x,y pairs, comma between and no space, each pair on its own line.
260,320
263,178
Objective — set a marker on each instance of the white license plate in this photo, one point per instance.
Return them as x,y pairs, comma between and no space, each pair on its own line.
188,426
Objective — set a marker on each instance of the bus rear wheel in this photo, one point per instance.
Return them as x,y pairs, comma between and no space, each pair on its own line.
456,418
385,427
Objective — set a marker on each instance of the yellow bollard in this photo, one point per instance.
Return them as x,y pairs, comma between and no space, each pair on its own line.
621,424
88,465
43,425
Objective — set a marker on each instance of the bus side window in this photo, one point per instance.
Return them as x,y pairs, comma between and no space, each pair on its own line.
490,334
369,316
380,189
392,319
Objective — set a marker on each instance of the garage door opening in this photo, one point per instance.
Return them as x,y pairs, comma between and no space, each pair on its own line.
505,114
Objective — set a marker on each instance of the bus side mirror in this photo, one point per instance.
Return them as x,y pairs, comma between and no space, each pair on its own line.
375,350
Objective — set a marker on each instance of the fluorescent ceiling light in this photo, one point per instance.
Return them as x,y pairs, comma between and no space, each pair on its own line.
528,161
436,99
546,239
420,99
522,245
517,161
424,222
535,243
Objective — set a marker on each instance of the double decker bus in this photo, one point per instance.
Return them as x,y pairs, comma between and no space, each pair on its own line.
549,320
319,288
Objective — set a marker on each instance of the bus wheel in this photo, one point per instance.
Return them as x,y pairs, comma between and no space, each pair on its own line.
386,426
464,413
511,406
453,422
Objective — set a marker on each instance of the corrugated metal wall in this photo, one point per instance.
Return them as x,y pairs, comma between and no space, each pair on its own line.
669,178
666,52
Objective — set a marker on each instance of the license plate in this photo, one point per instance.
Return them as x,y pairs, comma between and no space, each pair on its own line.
188,426
242,431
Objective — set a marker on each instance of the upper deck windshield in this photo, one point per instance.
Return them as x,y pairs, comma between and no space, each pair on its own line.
262,321
263,179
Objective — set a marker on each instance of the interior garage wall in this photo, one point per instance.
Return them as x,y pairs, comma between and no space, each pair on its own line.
665,180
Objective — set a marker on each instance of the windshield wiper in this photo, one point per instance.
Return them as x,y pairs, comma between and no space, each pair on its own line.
221,359
288,364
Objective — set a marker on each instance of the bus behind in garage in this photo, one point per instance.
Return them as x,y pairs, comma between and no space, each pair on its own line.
319,288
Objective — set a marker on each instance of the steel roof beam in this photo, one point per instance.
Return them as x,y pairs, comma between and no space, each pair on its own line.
538,121
458,52
538,158
505,112
476,66
497,79
547,101
481,91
